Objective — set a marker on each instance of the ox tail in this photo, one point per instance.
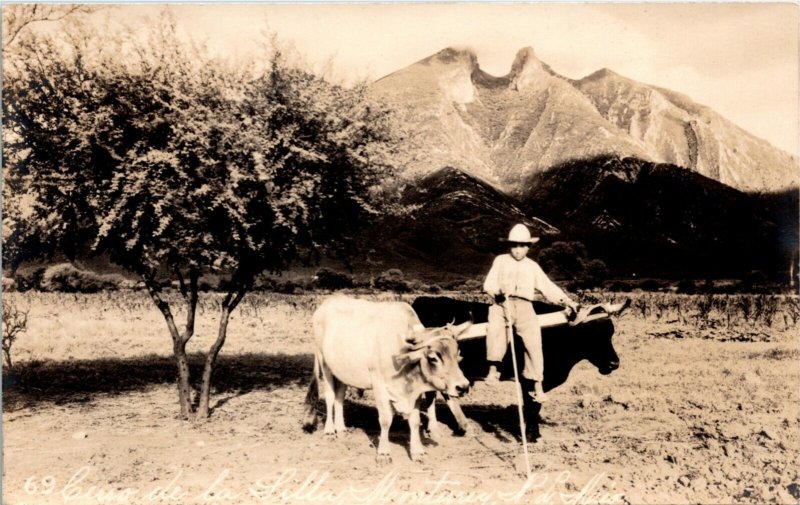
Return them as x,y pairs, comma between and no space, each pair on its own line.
312,397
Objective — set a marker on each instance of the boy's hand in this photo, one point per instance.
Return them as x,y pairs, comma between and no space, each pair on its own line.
499,298
573,307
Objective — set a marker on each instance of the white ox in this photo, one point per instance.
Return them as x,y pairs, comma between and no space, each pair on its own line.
381,346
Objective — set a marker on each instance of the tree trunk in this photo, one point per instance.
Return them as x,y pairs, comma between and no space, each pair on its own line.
208,368
179,341
184,387
230,303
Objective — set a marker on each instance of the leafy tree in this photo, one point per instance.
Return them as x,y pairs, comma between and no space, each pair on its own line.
173,163
18,17
564,260
596,273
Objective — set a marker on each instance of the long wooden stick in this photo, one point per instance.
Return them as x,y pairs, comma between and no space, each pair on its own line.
510,337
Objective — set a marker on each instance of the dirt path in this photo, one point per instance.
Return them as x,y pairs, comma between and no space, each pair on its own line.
683,420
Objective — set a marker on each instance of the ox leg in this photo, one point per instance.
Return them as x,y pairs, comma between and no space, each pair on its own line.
338,407
385,415
328,387
429,403
415,443
461,419
434,427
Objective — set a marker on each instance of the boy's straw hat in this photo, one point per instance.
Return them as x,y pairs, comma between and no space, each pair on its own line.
520,234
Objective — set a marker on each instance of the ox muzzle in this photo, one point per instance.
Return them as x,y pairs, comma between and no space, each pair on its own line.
609,367
438,363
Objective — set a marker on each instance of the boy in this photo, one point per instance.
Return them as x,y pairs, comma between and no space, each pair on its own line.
512,281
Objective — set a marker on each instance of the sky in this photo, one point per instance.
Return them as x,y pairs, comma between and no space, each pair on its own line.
739,59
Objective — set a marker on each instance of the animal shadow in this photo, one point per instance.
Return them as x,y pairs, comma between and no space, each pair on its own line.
78,381
362,415
503,421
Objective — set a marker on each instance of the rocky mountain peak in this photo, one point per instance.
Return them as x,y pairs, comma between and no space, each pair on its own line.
525,69
525,61
603,73
454,55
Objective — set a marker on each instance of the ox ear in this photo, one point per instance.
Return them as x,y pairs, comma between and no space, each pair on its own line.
417,335
409,358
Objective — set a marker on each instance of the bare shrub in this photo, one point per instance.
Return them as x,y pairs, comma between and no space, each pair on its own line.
15,321
662,304
746,307
766,308
791,308
704,305
731,309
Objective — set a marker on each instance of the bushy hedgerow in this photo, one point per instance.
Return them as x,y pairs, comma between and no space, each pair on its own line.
326,278
66,277
29,279
392,280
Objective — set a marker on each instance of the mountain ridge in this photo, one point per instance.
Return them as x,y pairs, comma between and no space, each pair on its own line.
679,131
454,225
642,219
641,216
504,129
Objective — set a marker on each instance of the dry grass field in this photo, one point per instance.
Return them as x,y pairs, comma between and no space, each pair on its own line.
704,409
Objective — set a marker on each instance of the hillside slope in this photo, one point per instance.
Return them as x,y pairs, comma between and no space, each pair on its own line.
504,130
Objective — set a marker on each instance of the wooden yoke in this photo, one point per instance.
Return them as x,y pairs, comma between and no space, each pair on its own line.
585,314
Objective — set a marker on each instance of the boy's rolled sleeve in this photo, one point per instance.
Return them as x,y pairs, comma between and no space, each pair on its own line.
492,283
548,288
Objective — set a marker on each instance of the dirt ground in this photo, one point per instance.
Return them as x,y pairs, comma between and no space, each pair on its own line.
691,416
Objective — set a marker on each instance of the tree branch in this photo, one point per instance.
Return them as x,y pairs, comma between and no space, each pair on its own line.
19,19
242,281
155,293
194,275
182,284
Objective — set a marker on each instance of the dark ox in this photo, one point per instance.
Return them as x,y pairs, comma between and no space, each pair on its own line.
563,346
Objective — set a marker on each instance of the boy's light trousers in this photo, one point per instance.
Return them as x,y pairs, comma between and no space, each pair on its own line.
524,320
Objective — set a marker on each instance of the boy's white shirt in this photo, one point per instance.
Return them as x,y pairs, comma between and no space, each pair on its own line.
521,279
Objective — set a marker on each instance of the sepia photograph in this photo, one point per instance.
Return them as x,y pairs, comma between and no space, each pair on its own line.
400,253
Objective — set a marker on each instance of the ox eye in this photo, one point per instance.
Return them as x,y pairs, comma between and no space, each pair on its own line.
433,358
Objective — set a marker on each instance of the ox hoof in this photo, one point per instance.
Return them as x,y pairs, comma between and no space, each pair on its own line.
434,434
539,397
492,380
343,430
532,435
418,457
460,431
383,459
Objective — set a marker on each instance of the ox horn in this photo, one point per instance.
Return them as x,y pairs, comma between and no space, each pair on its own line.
461,328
